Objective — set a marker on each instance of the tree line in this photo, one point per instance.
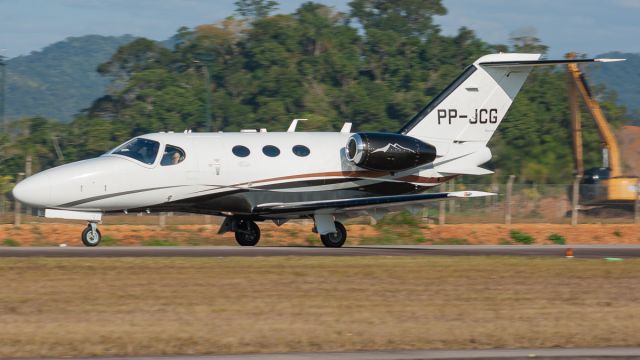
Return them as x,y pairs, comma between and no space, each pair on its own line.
375,66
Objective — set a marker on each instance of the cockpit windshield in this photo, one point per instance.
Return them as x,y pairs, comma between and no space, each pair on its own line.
143,150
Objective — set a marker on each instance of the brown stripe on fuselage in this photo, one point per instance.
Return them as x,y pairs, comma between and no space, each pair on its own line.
355,174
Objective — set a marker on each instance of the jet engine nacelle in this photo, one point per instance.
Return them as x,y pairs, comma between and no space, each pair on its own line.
388,152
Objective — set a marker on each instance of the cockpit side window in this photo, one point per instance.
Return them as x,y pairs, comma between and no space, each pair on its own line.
143,150
172,155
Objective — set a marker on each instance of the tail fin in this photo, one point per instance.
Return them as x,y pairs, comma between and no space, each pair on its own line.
471,108
473,105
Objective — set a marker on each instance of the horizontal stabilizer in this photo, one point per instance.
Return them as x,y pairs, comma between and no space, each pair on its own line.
463,171
518,63
468,194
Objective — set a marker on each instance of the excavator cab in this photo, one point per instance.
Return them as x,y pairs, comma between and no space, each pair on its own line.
593,189
598,188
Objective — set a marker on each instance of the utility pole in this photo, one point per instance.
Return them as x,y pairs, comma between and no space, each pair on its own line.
508,201
207,93
3,76
576,123
443,207
575,200
636,213
17,206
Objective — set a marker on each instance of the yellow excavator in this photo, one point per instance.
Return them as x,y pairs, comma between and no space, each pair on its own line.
602,185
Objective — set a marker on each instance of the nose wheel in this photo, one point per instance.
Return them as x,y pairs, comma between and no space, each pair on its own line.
91,235
247,232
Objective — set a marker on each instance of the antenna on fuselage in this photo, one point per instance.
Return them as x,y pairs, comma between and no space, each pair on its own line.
294,124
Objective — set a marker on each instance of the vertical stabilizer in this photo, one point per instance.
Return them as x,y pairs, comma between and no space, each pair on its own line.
471,108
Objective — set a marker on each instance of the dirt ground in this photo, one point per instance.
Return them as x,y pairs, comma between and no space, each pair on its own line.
629,138
53,234
111,307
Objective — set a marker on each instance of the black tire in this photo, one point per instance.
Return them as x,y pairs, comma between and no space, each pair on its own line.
247,233
337,239
87,237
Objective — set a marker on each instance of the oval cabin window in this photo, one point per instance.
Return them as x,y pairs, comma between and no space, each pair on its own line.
240,151
271,151
301,150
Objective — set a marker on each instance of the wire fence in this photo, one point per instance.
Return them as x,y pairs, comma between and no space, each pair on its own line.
515,204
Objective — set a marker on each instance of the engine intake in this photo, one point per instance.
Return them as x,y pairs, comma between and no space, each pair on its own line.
388,152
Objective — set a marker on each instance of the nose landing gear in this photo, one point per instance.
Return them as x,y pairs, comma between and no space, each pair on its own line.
246,231
91,235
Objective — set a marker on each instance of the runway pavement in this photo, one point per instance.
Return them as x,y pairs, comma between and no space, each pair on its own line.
580,251
584,353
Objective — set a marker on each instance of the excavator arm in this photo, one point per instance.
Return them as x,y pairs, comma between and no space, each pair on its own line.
612,156
615,189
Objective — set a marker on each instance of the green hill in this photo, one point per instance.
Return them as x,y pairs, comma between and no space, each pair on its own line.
623,77
60,80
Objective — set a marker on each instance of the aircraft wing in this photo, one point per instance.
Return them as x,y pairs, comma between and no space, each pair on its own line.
544,62
361,205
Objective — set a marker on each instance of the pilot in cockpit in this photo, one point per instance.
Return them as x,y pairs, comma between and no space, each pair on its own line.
175,158
171,156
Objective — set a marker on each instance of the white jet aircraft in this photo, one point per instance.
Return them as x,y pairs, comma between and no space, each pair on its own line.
256,176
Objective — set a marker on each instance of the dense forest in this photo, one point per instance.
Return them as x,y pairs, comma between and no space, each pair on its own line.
375,65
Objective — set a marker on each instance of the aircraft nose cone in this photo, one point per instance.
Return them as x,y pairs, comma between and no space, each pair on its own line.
34,190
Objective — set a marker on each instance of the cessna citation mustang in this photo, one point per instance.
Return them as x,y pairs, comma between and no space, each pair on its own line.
257,176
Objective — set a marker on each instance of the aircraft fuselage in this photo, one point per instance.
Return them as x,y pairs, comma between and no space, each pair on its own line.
212,179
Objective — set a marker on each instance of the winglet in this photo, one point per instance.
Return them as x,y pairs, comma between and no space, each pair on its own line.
468,194
608,60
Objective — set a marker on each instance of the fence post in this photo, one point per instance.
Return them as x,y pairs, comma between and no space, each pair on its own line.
162,219
17,208
575,200
636,217
507,205
443,207
452,203
2,206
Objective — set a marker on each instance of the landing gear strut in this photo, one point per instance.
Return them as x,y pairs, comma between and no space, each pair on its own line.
336,239
91,235
247,232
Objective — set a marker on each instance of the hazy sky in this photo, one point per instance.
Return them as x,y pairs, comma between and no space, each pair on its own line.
589,26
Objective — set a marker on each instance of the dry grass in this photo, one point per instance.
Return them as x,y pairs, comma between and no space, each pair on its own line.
299,233
73,307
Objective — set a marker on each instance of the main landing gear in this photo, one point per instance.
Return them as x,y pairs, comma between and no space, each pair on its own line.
246,231
91,235
336,239
332,233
